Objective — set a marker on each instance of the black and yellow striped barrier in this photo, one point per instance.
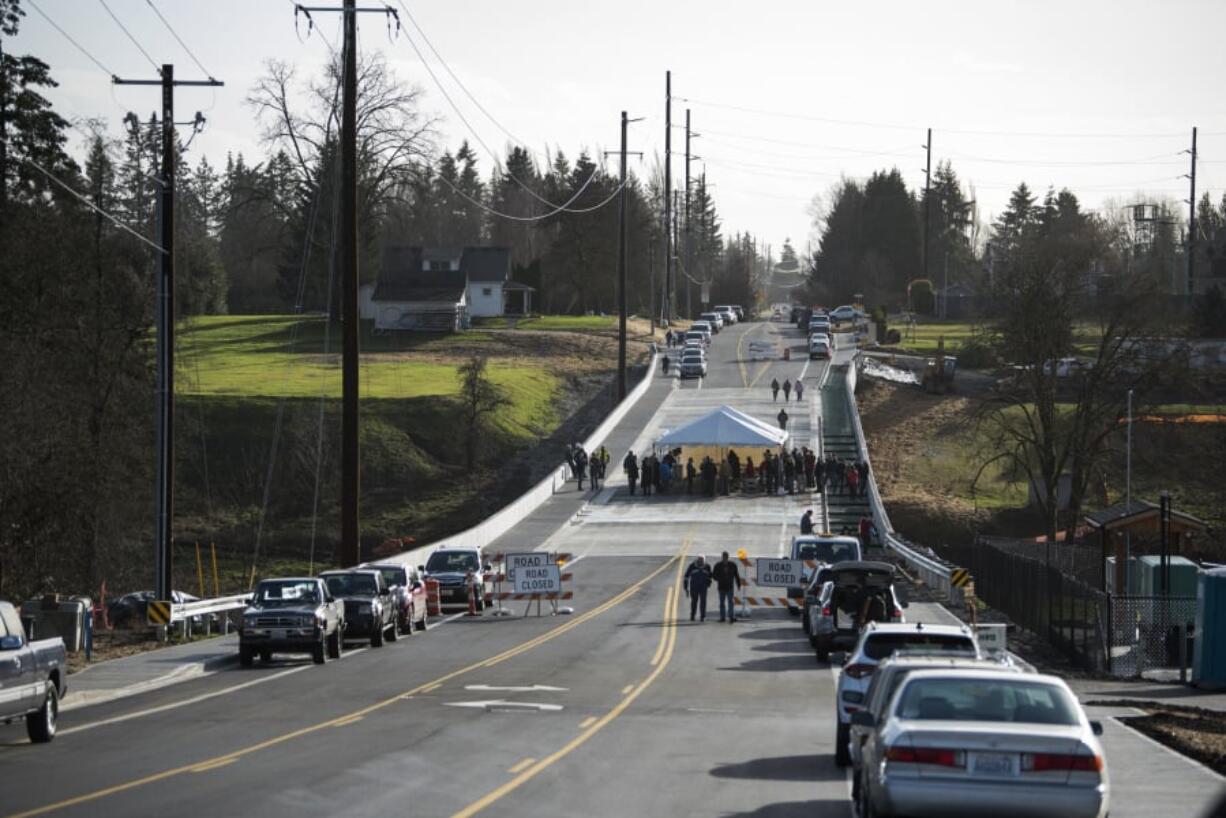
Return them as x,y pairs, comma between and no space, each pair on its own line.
158,612
960,578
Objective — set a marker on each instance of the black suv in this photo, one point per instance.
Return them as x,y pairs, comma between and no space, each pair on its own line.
370,606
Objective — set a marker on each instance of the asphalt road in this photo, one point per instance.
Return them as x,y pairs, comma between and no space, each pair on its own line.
623,708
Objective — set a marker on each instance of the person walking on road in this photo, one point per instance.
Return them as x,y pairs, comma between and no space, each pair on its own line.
570,458
774,389
580,465
866,532
782,417
727,582
787,390
806,522
862,467
631,466
691,471
697,581
800,389
664,364
595,467
853,480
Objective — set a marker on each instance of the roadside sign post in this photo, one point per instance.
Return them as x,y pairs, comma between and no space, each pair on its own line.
779,573
538,580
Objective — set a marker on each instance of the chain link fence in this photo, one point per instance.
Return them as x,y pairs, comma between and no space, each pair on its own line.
1056,594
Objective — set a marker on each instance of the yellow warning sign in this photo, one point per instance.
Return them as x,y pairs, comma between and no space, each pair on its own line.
960,577
159,612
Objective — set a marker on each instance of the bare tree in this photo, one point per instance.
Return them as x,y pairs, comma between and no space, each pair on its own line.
480,398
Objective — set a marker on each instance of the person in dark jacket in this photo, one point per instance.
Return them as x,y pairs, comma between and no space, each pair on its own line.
691,471
727,582
631,467
782,417
787,390
806,522
697,581
774,389
580,465
570,458
595,469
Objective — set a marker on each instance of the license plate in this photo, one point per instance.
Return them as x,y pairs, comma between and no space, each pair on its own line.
994,764
279,634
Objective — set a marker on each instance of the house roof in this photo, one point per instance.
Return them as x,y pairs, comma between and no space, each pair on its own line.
402,279
487,263
1124,513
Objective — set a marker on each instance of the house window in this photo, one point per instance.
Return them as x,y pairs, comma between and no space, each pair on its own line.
487,291
440,266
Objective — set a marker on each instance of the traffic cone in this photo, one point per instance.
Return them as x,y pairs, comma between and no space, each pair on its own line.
472,598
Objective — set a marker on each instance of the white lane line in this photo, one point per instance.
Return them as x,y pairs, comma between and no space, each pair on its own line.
194,700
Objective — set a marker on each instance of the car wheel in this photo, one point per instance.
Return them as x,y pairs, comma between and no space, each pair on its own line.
41,726
842,735
320,653
336,644
266,656
246,657
407,626
376,638
393,633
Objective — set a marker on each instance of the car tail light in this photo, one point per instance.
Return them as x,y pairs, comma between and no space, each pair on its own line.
1061,762
896,615
826,611
859,671
926,755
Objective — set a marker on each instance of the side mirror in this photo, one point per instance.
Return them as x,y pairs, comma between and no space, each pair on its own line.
863,718
1096,727
838,657
10,642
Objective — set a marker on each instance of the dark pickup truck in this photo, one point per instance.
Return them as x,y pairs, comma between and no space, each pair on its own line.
292,615
33,677
370,605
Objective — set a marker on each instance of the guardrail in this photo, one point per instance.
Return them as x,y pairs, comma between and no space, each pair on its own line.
935,572
182,613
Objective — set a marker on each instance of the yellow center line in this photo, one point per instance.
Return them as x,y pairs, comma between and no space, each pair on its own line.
527,762
668,639
350,720
213,765
668,601
586,723
740,358
304,731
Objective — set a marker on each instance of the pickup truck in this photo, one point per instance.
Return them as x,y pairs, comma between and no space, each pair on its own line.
292,615
459,572
370,605
33,677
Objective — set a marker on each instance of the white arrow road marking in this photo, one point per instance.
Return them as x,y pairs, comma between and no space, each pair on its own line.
512,689
503,704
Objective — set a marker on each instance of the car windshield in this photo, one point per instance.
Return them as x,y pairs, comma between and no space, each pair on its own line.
352,584
452,561
272,594
830,552
394,576
880,645
979,699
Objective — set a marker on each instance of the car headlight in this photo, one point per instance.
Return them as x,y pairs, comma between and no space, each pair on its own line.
249,622
308,620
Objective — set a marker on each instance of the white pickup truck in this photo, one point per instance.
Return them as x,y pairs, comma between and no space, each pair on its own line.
33,677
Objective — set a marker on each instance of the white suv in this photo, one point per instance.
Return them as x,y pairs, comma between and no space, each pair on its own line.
877,641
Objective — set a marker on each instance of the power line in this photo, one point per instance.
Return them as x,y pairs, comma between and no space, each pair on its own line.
479,204
179,39
68,37
135,42
1062,163
85,201
899,126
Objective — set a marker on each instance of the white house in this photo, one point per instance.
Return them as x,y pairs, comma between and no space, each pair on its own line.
416,289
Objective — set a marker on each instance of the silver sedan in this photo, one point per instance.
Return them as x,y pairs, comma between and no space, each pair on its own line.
982,742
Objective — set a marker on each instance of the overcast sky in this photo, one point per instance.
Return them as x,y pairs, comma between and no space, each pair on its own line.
1096,95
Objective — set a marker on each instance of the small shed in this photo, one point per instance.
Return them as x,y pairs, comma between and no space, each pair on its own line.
1136,526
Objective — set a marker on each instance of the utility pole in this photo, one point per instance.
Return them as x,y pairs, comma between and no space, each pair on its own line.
350,551
670,284
927,201
164,476
651,289
689,245
621,272
1192,218
4,141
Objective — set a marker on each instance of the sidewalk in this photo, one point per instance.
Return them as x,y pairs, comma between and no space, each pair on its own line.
141,672
1103,690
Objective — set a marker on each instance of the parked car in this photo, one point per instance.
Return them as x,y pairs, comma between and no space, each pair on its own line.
1067,367
131,610
705,327
819,347
983,742
292,615
844,598
714,319
33,677
459,572
693,364
727,314
409,592
370,606
821,550
845,313
886,681
876,642
740,312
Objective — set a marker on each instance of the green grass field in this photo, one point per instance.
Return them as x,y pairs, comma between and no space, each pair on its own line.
923,336
555,323
282,356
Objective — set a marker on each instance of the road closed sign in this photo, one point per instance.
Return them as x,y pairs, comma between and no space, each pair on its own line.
779,573
534,559
537,579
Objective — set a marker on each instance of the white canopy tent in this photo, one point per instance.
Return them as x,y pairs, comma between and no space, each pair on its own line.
724,428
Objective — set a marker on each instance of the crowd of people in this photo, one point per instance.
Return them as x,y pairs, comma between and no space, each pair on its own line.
788,388
773,473
587,467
